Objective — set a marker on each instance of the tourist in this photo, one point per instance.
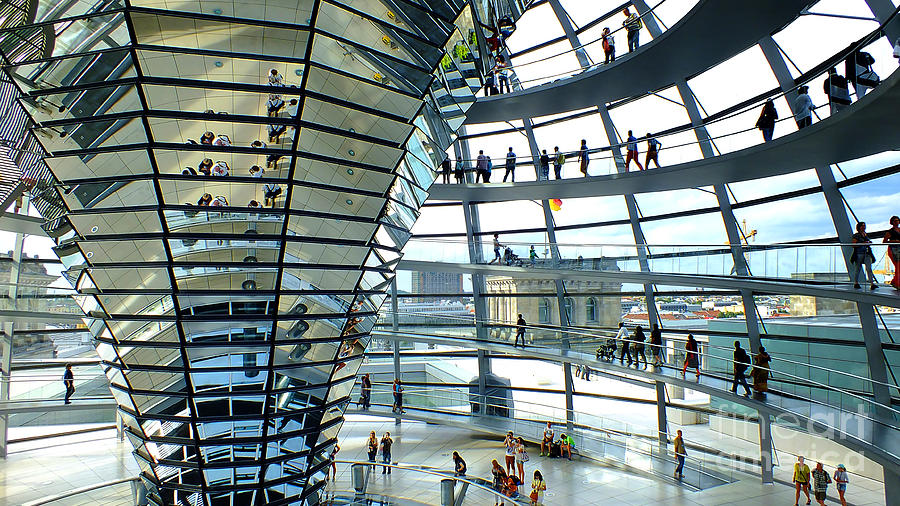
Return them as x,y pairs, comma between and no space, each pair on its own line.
205,167
766,121
862,255
331,457
521,458
631,152
566,443
740,365
445,170
480,166
820,480
841,479
459,172
837,90
365,397
803,108
397,390
520,331
69,381
609,46
633,25
801,480
498,482
583,158
205,200
692,357
532,255
638,346
760,372
892,236
559,159
502,74
656,348
275,79
497,247
207,138
622,337
653,147
459,465
489,166
271,191
386,443
547,439
545,166
680,454
372,447
512,486
538,486
511,444
510,166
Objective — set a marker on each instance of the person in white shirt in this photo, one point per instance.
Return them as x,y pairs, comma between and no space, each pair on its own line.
803,107
622,339
547,439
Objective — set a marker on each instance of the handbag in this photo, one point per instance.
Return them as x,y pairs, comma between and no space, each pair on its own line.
524,456
533,496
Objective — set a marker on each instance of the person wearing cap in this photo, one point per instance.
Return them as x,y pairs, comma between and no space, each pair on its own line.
841,478
820,483
803,107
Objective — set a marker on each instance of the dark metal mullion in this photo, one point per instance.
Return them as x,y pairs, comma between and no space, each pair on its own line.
176,308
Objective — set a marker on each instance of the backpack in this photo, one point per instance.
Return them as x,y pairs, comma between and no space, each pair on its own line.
560,158
554,450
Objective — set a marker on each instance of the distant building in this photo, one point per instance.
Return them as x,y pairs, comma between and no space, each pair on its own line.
443,283
805,305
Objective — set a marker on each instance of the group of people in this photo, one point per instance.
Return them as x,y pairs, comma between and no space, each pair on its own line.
507,481
635,344
819,479
375,447
862,255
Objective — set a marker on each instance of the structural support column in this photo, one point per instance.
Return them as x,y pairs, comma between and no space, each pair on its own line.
566,24
766,456
560,285
841,221
883,9
6,341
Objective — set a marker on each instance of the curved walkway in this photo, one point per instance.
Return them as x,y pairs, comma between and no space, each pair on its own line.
874,440
713,31
882,296
850,134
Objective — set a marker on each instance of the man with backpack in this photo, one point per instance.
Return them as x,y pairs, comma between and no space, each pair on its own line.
860,73
741,363
558,160
633,25
838,92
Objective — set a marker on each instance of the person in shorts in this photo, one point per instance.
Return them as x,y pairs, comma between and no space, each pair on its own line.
547,439
511,445
801,480
820,481
841,478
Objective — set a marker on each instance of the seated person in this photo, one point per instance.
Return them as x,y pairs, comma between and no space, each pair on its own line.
220,168
271,191
189,171
565,446
512,489
547,439
219,201
207,138
205,200
205,166
258,144
274,105
254,204
222,140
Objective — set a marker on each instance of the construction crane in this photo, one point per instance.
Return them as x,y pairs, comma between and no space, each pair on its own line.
745,239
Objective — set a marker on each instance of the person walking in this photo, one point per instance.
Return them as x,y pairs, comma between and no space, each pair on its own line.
511,444
760,372
653,147
497,248
639,339
692,355
545,166
656,348
521,458
486,177
631,152
502,74
820,481
584,158
680,455
69,382
331,458
386,443
609,46
841,479
547,439
397,390
633,25
372,447
837,90
892,237
801,480
862,255
510,165
740,365
459,465
622,337
532,255
366,392
480,166
803,108
766,121
538,486
445,170
520,331
559,159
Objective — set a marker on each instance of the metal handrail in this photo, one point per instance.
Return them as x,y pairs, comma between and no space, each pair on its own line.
64,495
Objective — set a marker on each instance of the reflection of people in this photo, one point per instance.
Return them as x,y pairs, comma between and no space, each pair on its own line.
331,456
366,389
69,382
892,236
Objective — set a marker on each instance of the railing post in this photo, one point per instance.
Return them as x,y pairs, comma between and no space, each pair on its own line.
139,492
447,492
358,475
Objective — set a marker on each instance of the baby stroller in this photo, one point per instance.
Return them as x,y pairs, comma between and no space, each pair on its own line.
511,259
607,352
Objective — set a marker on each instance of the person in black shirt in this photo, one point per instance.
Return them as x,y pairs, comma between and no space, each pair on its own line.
520,331
656,350
459,465
862,255
366,389
445,170
638,346
545,166
69,382
741,363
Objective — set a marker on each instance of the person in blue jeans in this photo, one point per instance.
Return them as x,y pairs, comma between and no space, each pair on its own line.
386,443
680,454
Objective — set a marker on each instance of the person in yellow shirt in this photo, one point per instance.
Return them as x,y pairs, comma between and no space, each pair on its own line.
801,480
